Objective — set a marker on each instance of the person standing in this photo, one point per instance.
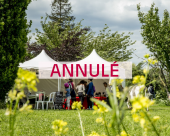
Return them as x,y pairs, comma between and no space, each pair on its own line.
90,93
80,90
151,92
107,88
72,90
68,96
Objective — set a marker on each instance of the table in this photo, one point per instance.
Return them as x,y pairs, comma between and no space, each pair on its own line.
85,105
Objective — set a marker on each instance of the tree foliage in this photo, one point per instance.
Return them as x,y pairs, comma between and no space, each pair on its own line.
60,14
156,34
67,46
13,33
110,46
156,37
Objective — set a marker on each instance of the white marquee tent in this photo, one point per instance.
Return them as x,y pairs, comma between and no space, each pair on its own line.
51,85
34,63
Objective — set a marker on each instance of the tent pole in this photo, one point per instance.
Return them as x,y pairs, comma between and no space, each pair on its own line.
58,83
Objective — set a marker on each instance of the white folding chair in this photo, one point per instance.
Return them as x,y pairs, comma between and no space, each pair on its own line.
41,99
51,100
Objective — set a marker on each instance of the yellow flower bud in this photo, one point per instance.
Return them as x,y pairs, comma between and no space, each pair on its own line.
145,71
155,118
123,133
142,122
146,56
26,107
12,94
100,120
20,95
135,117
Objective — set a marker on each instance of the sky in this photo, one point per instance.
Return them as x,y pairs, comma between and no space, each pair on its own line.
119,15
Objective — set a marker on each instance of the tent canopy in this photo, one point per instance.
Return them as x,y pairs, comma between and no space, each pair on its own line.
50,85
95,58
34,63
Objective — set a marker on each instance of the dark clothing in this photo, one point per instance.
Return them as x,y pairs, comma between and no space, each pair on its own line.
90,93
86,89
107,100
89,102
73,99
73,94
81,97
90,90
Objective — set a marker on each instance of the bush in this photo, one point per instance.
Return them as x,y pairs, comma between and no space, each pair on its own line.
161,98
2,105
13,33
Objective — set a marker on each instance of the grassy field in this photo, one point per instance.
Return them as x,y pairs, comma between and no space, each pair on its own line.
38,123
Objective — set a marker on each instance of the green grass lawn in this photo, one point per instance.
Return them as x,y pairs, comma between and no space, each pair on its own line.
38,123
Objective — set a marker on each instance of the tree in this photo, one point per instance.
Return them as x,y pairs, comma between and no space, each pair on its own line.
34,49
110,46
60,14
156,37
66,46
69,50
13,33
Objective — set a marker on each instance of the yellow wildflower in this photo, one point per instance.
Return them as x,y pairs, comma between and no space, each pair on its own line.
139,79
101,109
58,125
140,102
142,79
95,107
145,71
142,114
118,81
135,117
155,118
154,61
28,78
123,133
136,79
137,105
12,94
20,95
146,56
26,107
76,105
100,120
151,61
118,94
142,122
93,133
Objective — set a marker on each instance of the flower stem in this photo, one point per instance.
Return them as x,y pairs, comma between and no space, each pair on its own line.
81,123
124,128
152,123
105,124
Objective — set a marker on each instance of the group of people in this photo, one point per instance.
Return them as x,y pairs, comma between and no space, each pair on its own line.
82,89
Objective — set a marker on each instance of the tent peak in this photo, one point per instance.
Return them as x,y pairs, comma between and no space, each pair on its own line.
93,51
43,51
